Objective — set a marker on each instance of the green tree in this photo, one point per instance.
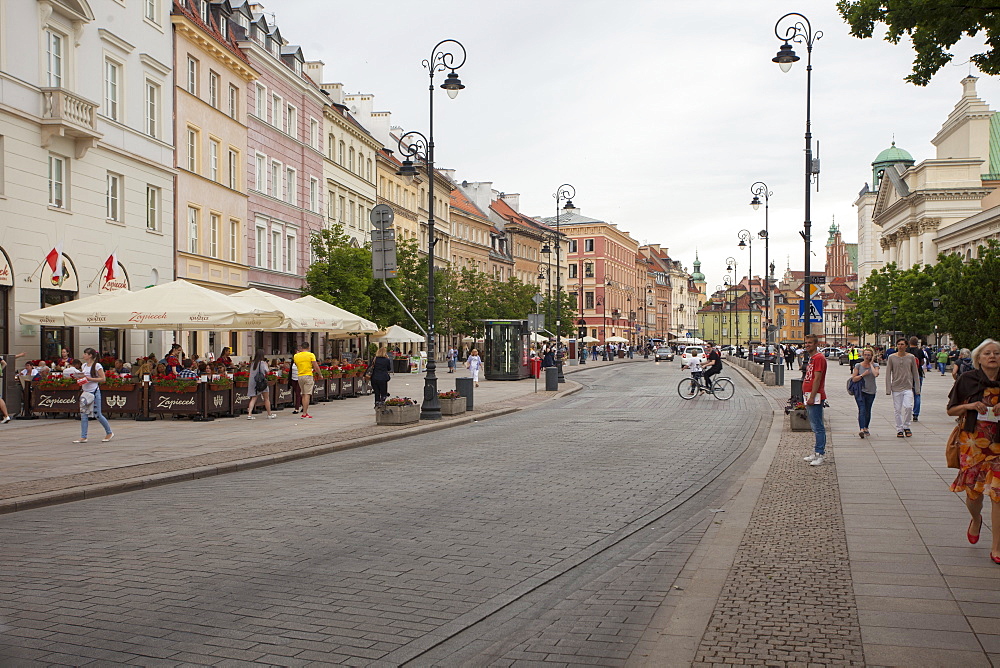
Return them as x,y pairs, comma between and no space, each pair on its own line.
933,26
568,314
970,311
341,273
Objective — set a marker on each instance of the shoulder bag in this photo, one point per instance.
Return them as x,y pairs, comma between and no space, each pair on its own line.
952,449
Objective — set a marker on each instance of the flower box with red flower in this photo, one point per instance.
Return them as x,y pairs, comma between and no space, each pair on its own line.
241,378
272,378
119,382
220,383
398,410
51,382
171,383
452,403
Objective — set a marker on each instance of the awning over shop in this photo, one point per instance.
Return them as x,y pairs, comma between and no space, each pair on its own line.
352,324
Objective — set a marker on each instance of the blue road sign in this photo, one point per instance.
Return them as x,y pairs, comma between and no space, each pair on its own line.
815,310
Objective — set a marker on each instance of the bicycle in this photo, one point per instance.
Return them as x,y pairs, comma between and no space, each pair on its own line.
722,388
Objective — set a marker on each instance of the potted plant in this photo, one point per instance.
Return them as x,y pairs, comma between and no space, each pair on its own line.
452,403
398,410
798,417
220,383
56,383
171,383
241,378
123,383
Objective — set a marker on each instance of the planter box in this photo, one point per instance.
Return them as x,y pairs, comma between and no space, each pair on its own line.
178,403
241,398
799,420
397,414
218,402
121,400
55,401
454,406
350,386
283,395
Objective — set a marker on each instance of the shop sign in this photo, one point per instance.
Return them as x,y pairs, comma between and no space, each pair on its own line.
6,272
114,281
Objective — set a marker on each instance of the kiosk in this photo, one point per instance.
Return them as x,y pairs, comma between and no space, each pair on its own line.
505,356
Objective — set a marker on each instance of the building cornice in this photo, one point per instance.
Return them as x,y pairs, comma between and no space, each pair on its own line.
265,61
186,28
154,64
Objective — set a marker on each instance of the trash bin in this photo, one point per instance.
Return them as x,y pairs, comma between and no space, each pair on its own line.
779,373
401,365
796,389
464,387
551,379
536,367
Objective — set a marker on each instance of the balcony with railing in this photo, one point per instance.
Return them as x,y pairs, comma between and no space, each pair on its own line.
65,114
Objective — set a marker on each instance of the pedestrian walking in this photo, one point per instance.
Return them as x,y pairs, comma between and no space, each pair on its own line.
258,385
942,363
789,357
853,357
308,369
974,401
293,380
814,389
474,363
800,353
865,372
963,364
918,353
90,378
380,374
452,357
902,381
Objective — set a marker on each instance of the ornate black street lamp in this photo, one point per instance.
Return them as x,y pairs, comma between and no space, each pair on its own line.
894,309
566,193
731,266
443,57
936,303
758,190
875,315
800,31
746,241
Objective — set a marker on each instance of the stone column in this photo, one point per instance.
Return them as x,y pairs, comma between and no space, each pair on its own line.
928,230
904,248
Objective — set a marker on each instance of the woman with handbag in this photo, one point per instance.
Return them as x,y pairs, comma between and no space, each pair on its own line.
258,385
474,363
865,372
974,400
379,373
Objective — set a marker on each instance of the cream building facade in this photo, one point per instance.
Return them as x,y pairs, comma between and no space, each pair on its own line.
87,162
210,120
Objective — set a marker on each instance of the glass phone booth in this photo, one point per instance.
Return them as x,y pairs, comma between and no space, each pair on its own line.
506,351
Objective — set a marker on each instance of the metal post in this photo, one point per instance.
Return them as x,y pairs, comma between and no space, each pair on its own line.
567,192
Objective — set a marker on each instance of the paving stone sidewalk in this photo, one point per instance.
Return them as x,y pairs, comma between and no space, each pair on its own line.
38,459
861,561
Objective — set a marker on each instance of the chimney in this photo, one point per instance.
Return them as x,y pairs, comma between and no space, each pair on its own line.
480,192
969,87
314,68
335,92
513,200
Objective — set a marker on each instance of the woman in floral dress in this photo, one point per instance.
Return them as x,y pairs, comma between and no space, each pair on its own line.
974,399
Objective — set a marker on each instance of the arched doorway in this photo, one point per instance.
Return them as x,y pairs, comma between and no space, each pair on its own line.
56,290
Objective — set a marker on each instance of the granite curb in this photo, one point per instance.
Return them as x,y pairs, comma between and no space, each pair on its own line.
94,490
674,638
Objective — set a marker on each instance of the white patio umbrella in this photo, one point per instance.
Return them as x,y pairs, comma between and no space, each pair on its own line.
590,339
53,316
397,334
178,305
351,323
298,317
535,337
616,339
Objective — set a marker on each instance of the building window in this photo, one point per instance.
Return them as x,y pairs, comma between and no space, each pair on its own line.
54,58
57,181
234,169
223,28
369,169
152,109
112,80
290,194
276,106
213,89
114,197
343,147
572,271
350,159
234,101
314,195
351,209
151,13
234,240
292,121
213,160
192,150
261,247
276,253
588,245
260,174
152,208
572,245
275,185
213,235
203,10
340,210
260,103
192,76
588,300
290,248
314,134
588,269
192,229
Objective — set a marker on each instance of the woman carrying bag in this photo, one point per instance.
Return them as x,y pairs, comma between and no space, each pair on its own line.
379,373
474,364
258,385
974,399
865,372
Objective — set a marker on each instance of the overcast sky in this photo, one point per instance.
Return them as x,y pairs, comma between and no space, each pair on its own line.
661,113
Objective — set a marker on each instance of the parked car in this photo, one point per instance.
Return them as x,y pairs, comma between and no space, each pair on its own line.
763,354
692,351
664,353
832,352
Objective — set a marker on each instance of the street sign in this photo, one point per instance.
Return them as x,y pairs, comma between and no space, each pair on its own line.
814,278
814,291
538,299
383,250
815,310
383,235
536,322
381,216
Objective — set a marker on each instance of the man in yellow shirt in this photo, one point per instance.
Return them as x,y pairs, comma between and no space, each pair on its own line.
306,365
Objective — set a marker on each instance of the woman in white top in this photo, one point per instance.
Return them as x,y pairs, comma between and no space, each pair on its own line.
93,376
475,363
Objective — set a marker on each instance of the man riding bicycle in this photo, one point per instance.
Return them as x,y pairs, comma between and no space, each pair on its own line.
713,364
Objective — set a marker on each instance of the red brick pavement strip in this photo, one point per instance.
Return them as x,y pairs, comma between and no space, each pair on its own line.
63,489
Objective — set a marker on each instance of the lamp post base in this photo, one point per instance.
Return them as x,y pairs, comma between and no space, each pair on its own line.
430,409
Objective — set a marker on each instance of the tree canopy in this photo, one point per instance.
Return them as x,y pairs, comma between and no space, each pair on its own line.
933,26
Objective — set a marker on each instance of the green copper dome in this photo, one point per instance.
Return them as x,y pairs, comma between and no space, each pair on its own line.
893,154
697,276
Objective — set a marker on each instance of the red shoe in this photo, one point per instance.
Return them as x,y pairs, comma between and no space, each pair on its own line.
975,538
306,415
995,558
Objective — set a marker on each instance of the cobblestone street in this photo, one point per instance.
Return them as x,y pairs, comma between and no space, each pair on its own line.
551,534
